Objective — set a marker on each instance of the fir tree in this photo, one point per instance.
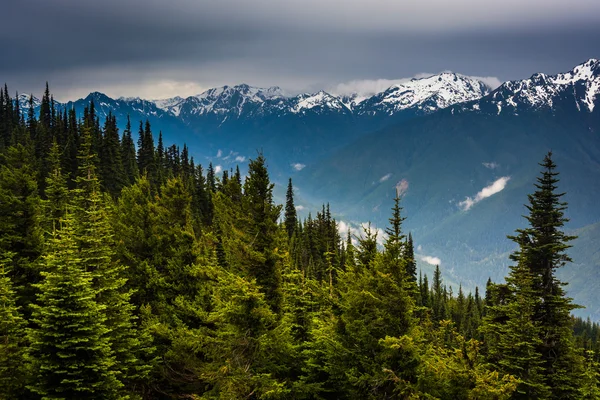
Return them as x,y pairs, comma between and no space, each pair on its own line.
263,213
111,164
290,218
95,238
70,347
394,243
56,192
534,308
13,373
409,258
20,225
128,156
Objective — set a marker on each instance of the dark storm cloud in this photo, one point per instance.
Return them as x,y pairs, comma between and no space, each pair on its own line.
129,47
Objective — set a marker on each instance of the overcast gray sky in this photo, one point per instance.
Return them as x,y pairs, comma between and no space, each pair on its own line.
157,49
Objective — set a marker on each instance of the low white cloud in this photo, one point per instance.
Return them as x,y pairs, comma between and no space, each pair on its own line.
218,169
385,177
419,248
219,153
240,159
299,208
431,260
358,230
298,166
491,165
497,186
366,87
491,81
343,228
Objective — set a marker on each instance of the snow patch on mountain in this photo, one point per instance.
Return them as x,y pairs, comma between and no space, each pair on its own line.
321,99
426,94
543,91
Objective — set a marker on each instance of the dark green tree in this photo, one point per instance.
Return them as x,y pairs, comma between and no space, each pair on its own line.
128,156
262,227
20,225
409,257
394,244
111,168
290,217
57,193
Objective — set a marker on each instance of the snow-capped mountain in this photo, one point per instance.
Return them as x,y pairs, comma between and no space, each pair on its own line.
576,89
321,101
424,95
24,100
226,101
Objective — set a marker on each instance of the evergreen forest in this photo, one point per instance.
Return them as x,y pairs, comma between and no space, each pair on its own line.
130,271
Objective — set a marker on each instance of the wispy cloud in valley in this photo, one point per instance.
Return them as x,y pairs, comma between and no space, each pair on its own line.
484,193
385,177
431,260
491,165
298,166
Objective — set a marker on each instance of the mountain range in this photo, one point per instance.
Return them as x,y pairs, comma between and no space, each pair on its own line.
464,156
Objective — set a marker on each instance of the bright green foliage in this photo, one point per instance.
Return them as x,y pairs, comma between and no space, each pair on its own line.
590,388
13,372
373,305
247,354
450,367
70,345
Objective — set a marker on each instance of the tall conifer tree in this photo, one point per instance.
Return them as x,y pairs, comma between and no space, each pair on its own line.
290,219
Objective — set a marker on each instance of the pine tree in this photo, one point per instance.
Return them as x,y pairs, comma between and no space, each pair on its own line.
20,225
128,156
111,164
69,159
394,243
211,179
542,248
95,237
263,214
409,257
532,310
70,348
290,218
56,192
367,247
438,298
13,373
